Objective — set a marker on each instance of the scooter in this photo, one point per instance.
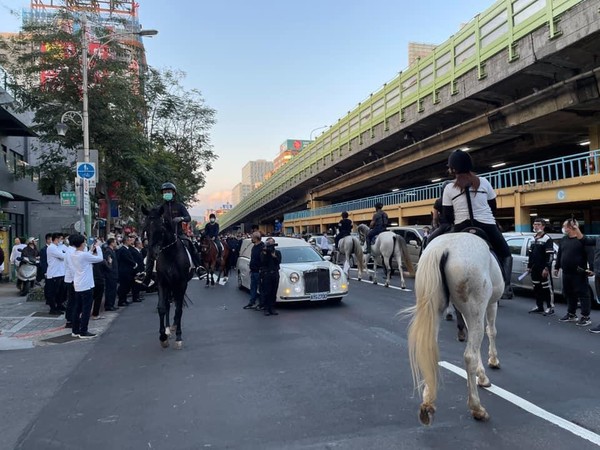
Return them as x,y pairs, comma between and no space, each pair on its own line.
26,274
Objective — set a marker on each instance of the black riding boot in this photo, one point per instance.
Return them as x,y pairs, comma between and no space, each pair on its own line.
147,282
507,264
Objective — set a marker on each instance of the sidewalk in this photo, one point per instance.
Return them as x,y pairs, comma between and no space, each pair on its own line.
26,324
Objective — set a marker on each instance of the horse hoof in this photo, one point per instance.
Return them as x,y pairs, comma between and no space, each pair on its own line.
178,345
480,415
494,365
484,383
388,285
403,286
426,413
168,331
164,344
462,336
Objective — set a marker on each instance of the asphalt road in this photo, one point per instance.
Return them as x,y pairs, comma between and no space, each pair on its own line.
317,376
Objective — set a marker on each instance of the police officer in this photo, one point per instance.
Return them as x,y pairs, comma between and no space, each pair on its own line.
344,228
211,231
270,259
177,213
377,225
539,265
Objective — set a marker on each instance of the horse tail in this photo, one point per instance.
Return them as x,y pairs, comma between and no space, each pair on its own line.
431,296
358,251
399,240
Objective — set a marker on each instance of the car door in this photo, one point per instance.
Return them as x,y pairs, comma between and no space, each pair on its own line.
518,249
413,243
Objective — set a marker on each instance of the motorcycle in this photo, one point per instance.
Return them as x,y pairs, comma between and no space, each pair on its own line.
26,273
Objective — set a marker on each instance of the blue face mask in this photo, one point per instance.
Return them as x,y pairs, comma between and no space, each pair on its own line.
168,196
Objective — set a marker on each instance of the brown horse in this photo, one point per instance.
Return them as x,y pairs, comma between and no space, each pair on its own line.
211,260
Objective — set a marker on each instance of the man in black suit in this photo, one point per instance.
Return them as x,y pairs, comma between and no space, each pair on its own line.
127,269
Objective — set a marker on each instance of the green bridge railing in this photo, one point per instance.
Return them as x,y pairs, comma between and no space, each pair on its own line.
494,30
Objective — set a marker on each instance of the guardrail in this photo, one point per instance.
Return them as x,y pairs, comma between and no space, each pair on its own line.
489,33
570,166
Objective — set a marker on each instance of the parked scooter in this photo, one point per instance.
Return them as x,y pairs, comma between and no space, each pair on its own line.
26,273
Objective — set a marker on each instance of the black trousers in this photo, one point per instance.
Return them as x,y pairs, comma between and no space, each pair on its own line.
269,282
110,292
576,288
97,296
125,283
55,292
542,288
70,295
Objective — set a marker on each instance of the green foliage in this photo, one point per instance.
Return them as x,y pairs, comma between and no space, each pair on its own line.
147,128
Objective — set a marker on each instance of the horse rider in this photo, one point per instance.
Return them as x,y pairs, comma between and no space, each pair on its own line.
177,213
344,229
377,225
211,231
475,210
439,222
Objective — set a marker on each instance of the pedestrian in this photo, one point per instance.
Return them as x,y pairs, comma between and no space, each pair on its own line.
539,265
254,266
111,276
136,252
68,284
19,244
572,259
470,201
379,222
83,283
277,228
55,275
596,329
99,270
270,259
324,244
43,266
127,270
344,228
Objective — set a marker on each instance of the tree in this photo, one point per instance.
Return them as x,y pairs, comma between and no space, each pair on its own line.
146,127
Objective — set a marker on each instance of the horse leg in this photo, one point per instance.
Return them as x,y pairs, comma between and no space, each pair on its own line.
212,277
387,264
168,329
162,311
460,324
491,311
475,371
177,320
374,270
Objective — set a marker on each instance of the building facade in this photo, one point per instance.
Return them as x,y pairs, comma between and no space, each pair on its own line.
239,192
253,173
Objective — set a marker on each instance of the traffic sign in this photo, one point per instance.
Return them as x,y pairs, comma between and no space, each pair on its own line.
68,199
86,170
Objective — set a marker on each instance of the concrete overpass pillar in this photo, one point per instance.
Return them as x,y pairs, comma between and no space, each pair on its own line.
522,217
594,132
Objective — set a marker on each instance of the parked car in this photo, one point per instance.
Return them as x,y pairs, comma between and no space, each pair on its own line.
519,244
304,274
413,235
315,241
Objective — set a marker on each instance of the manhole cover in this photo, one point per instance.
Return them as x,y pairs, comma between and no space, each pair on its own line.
61,339
43,314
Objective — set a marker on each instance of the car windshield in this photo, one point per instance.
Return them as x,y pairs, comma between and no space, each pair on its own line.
292,255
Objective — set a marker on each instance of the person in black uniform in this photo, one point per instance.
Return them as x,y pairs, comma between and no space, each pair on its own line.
211,230
344,228
572,259
539,265
127,270
174,210
270,259
378,224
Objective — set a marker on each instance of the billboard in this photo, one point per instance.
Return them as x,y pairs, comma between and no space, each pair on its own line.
293,145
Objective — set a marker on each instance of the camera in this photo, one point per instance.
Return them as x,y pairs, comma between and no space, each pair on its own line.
271,246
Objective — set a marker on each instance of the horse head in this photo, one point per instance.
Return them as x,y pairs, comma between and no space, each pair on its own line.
158,229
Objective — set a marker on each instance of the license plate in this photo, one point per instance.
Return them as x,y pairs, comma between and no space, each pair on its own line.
319,296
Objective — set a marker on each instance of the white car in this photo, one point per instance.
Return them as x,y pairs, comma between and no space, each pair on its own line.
304,275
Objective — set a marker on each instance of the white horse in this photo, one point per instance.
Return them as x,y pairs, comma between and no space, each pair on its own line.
349,245
386,245
457,268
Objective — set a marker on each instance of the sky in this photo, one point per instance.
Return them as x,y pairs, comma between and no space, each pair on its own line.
277,70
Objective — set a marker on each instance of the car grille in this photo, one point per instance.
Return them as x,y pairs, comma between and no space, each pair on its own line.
316,281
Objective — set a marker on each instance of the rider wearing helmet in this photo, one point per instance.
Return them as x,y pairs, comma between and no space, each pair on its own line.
377,225
211,231
176,211
477,210
344,228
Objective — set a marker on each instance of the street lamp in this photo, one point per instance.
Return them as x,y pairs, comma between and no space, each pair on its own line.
316,129
85,61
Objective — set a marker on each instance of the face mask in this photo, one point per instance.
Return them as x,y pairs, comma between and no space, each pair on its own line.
168,196
565,231
212,220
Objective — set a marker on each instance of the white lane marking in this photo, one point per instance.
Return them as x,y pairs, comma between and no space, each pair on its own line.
390,286
531,408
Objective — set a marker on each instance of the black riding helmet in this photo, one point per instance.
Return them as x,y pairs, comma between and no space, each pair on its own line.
460,161
379,205
168,185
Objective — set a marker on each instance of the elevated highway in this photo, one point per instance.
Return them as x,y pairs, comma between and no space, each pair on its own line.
519,83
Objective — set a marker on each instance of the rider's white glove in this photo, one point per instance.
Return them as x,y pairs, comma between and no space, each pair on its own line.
178,219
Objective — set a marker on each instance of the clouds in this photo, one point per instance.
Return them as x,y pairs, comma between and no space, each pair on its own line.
210,200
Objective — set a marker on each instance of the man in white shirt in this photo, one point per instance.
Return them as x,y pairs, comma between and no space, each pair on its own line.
83,281
68,284
55,275
324,244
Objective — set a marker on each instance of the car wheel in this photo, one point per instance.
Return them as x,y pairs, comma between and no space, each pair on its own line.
239,281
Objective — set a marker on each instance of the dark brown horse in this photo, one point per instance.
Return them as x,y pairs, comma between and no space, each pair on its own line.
211,260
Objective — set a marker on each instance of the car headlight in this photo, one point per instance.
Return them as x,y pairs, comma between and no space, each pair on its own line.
294,277
336,274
